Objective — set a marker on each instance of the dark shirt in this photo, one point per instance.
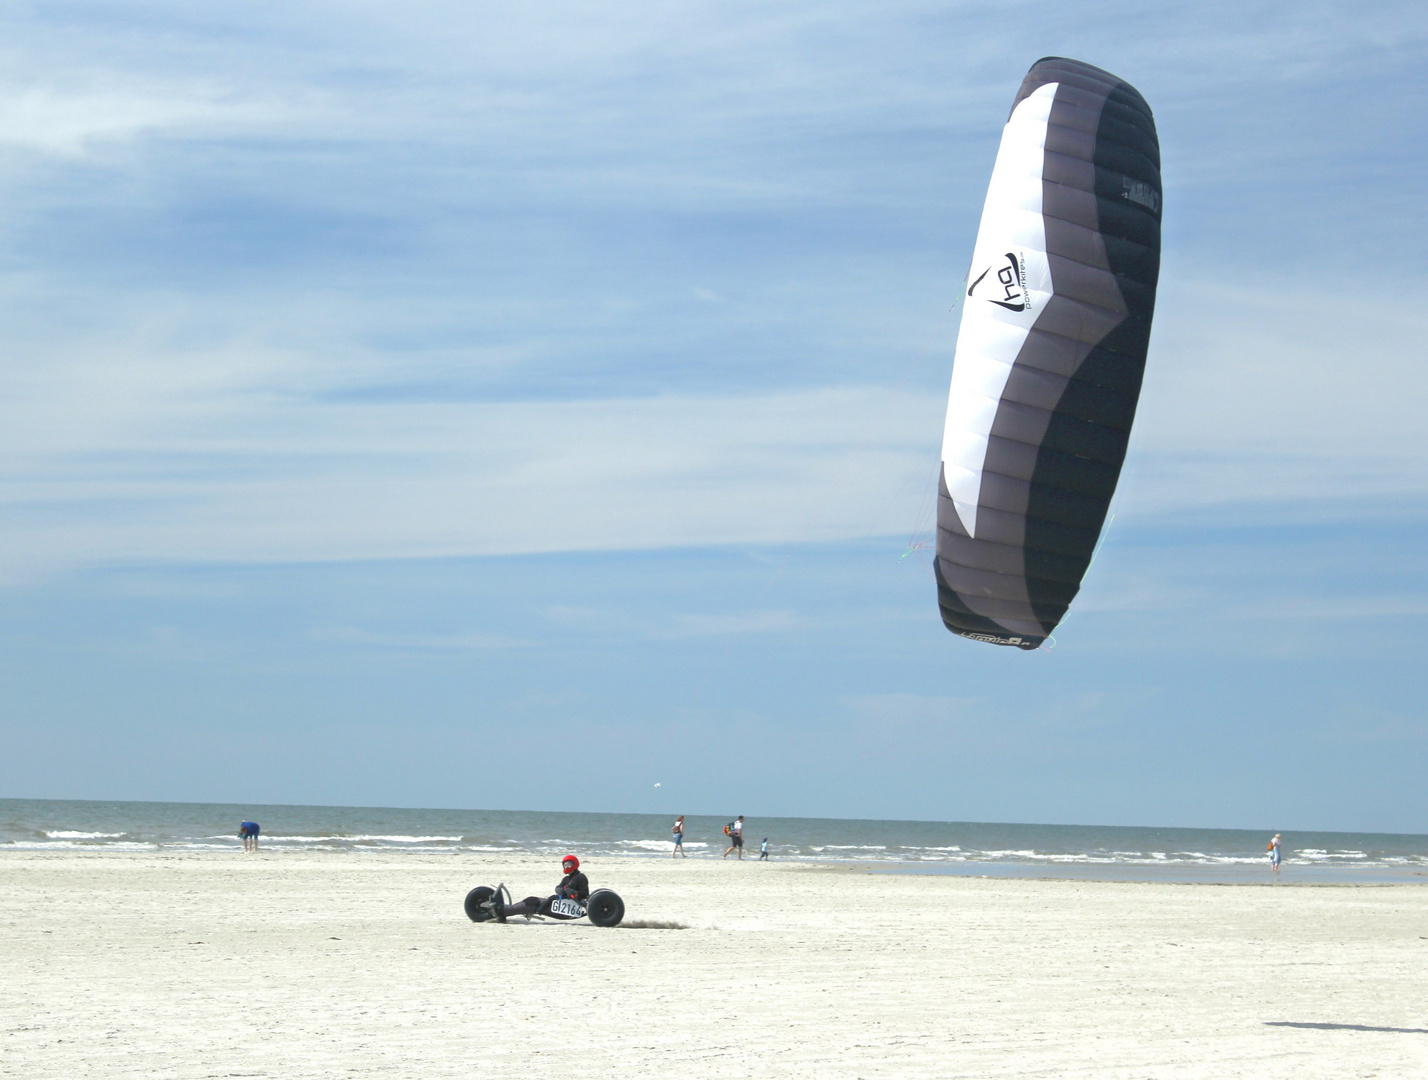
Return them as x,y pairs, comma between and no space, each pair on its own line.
573,886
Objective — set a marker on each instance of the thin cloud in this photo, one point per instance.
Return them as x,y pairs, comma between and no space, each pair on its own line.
525,281
759,622
351,635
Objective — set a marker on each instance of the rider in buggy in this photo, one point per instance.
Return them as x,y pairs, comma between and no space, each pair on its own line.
573,886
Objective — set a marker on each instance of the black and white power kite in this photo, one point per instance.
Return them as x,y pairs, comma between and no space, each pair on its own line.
1050,352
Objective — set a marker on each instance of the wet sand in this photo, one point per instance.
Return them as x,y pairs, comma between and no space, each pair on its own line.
297,965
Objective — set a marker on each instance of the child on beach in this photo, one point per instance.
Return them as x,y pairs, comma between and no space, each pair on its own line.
764,849
248,830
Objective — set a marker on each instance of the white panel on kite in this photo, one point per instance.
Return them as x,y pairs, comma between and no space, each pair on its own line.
1010,281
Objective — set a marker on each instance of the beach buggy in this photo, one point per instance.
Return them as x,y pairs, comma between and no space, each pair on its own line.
572,900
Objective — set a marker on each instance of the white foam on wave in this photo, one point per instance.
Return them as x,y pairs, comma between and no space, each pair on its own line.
69,834
1320,855
1200,858
409,839
70,845
324,835
358,838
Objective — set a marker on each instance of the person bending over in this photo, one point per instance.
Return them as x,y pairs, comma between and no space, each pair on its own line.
573,886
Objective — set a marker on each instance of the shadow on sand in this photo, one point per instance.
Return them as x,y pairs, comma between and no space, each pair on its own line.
1344,1027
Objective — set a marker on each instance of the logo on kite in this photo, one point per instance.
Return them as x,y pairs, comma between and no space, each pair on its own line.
1138,191
991,639
1008,288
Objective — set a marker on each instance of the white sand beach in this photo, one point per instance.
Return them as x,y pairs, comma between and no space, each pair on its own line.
288,966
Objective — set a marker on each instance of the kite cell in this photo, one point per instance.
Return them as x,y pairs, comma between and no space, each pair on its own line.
1050,352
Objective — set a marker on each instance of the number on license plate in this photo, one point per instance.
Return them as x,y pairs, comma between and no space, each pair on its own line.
568,908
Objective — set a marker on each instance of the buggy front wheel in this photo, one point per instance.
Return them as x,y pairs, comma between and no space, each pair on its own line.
477,903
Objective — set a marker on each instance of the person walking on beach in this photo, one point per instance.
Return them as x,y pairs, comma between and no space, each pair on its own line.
764,849
678,831
248,831
735,831
1273,850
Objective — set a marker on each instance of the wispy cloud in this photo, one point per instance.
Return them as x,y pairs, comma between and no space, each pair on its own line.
386,640
760,622
243,453
1270,392
289,286
238,480
672,626
51,122
916,709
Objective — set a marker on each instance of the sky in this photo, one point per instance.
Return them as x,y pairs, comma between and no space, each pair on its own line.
520,406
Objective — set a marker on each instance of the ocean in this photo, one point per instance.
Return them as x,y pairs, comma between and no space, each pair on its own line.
946,847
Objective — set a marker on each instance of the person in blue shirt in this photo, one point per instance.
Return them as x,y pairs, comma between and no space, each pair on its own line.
248,831
764,849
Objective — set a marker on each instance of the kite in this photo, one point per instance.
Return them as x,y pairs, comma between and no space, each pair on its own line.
1050,353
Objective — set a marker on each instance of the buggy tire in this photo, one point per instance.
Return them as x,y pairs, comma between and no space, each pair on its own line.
475,899
605,908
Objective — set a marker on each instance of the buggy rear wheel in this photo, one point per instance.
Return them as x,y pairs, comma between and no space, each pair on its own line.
605,908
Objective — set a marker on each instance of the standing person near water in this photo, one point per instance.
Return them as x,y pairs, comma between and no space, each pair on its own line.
248,831
735,829
764,849
1273,850
678,831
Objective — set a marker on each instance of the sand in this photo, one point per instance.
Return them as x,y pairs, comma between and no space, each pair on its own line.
345,965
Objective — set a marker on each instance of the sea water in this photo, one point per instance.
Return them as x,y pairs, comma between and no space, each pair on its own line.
980,848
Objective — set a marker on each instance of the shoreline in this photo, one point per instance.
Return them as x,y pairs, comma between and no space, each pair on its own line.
1183,874
1293,874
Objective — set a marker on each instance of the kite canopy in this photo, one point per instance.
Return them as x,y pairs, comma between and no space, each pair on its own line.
1050,352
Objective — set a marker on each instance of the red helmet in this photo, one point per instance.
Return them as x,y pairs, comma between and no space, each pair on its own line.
569,863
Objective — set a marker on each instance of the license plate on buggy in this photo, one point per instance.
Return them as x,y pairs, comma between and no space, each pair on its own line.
571,909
